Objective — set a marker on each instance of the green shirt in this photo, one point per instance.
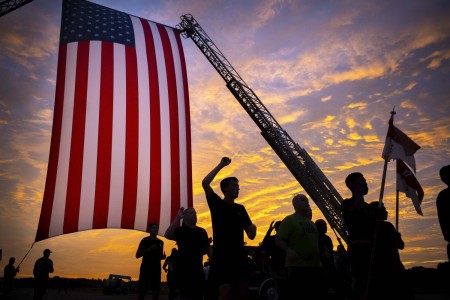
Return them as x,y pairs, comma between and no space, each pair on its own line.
301,235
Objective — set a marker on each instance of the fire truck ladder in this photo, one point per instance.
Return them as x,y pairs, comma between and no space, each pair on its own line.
8,6
296,159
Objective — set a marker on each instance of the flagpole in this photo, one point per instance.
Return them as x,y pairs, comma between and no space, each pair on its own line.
397,204
383,182
377,225
383,179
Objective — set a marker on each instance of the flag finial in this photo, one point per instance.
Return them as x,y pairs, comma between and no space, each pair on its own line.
393,111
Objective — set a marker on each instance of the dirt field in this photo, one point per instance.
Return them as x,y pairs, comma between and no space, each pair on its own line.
96,294
75,294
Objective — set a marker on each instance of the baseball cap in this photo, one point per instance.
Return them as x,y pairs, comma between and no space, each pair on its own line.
47,250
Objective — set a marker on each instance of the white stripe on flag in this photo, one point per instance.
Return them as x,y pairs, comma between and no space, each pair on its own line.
87,196
181,121
143,187
118,138
164,221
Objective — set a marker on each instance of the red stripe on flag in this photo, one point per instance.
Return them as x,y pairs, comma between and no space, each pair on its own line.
174,125
103,178
188,121
47,204
155,128
132,137
72,207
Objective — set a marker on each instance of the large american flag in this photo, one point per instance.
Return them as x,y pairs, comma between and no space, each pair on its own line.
120,153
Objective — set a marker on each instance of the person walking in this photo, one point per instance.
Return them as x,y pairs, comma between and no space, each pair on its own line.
229,263
151,249
9,272
193,244
299,238
443,207
41,271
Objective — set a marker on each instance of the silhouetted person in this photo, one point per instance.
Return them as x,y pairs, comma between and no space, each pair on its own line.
229,263
151,249
388,275
9,272
170,267
277,258
343,279
326,252
299,238
443,206
360,223
41,271
193,244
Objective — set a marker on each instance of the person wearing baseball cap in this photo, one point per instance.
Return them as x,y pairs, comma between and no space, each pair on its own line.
42,268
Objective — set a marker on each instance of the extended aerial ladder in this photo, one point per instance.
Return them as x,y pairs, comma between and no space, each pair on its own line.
296,159
8,6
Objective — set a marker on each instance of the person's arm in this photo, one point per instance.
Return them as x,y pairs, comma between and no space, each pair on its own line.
141,251
35,268
166,263
170,232
163,253
210,248
400,242
290,253
50,269
266,239
206,182
251,231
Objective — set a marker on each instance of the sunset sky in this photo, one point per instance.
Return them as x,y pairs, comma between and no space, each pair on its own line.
330,72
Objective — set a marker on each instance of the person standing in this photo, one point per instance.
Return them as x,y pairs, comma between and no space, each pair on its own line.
229,263
151,249
299,238
387,272
360,222
193,244
343,279
170,267
41,271
277,257
443,206
326,252
9,272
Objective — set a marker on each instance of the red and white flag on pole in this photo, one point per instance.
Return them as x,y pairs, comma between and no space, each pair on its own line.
408,184
120,153
399,146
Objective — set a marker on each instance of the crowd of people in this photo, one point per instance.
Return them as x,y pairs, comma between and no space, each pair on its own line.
300,256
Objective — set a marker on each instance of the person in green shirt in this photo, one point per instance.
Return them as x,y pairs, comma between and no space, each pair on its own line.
298,237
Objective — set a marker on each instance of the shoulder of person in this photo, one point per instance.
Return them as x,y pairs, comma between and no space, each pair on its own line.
444,195
347,202
213,196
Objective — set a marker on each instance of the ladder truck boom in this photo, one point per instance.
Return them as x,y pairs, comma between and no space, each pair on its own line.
8,6
296,159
